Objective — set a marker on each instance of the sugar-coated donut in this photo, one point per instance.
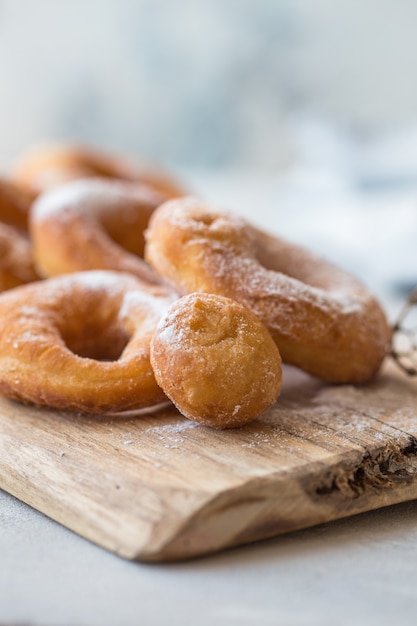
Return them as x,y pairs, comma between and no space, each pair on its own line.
15,203
81,342
16,259
48,166
93,224
322,319
216,360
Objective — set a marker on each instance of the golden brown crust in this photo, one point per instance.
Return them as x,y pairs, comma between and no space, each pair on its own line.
216,361
15,203
322,319
81,342
16,259
49,166
93,224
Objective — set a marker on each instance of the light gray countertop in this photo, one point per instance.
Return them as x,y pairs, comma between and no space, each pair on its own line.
356,571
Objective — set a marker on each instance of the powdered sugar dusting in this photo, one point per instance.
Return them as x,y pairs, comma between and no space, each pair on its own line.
308,305
94,197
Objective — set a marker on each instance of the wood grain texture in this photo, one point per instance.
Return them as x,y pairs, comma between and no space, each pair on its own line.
159,487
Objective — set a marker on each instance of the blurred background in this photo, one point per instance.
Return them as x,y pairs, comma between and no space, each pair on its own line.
304,105
207,83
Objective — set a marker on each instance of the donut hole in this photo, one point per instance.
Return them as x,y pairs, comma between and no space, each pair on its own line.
121,211
216,361
125,232
98,343
90,327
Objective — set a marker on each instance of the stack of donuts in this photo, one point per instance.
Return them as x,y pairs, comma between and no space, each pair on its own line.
120,291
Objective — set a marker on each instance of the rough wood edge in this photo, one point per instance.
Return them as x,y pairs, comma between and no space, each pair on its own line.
268,507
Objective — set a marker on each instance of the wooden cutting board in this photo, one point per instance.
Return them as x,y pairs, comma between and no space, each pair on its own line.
159,487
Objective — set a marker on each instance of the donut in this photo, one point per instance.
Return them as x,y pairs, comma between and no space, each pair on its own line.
92,224
216,361
16,259
15,203
81,342
322,319
48,166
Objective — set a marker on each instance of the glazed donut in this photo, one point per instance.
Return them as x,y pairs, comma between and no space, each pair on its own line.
15,202
322,319
81,342
16,259
48,166
93,224
216,361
